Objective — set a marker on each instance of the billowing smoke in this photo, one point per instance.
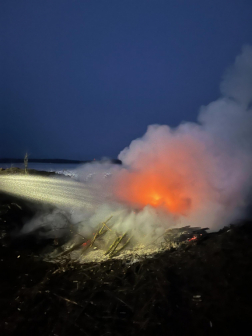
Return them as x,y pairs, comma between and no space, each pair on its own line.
197,174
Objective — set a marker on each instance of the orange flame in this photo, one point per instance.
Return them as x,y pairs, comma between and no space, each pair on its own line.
172,177
149,189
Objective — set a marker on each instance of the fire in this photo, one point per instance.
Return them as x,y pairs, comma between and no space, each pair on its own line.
150,189
193,238
172,175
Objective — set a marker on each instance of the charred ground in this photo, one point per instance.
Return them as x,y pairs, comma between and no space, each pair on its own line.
201,288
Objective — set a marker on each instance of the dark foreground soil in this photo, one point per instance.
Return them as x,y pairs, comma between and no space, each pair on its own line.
201,288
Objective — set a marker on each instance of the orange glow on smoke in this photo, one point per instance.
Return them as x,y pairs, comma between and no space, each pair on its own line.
149,188
174,177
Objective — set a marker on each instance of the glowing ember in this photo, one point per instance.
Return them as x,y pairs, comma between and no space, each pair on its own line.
193,238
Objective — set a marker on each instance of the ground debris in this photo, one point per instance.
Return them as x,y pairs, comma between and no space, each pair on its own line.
101,231
182,288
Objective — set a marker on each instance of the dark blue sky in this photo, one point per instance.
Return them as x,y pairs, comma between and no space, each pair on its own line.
82,79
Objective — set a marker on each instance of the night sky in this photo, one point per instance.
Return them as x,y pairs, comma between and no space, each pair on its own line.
82,79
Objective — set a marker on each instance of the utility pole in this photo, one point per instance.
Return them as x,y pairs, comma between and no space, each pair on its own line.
26,162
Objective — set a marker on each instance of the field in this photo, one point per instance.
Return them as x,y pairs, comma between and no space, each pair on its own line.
202,287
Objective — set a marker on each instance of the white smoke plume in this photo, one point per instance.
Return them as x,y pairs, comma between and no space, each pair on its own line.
197,174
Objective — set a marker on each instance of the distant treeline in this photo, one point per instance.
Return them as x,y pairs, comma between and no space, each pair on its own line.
7,160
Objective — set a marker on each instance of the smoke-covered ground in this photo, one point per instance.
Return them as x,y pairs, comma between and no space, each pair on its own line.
200,288
196,174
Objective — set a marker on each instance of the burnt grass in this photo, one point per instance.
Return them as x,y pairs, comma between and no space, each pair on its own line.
203,287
